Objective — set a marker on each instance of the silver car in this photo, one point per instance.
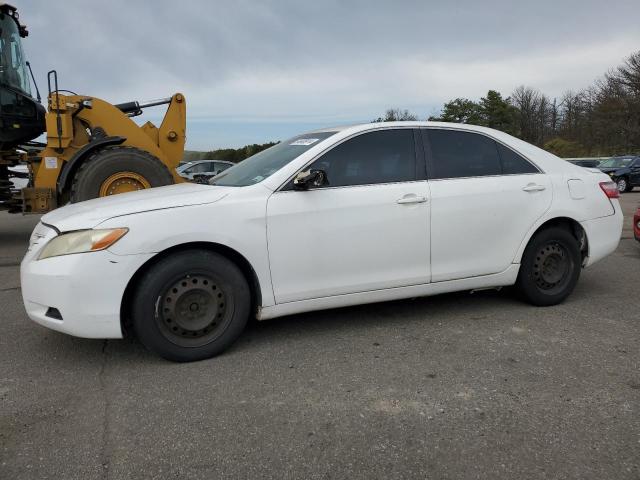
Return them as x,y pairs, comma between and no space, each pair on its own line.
207,168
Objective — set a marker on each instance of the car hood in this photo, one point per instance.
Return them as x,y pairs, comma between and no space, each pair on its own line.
93,212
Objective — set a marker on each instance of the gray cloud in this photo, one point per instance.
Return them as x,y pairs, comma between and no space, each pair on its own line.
292,62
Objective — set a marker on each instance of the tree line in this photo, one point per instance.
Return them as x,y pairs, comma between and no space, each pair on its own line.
601,120
229,154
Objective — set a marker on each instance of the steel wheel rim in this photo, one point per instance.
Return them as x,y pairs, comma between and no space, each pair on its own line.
193,310
552,267
123,182
622,185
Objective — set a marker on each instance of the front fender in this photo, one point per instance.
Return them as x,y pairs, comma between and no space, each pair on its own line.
238,225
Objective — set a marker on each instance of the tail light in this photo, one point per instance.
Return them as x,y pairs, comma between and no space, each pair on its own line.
610,189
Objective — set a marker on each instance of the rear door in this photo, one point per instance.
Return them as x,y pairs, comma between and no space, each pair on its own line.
485,197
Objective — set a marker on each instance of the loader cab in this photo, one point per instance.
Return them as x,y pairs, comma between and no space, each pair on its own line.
21,115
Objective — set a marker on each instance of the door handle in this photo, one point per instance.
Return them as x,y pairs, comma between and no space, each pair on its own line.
532,187
411,198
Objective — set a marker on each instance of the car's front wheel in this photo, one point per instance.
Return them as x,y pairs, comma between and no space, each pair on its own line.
550,267
191,305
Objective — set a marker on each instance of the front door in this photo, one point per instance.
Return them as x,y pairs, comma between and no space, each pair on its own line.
366,228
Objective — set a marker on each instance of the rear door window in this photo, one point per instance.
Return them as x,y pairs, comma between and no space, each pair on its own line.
458,154
219,166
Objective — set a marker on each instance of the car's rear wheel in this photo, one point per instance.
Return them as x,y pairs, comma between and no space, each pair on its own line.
550,267
623,184
191,305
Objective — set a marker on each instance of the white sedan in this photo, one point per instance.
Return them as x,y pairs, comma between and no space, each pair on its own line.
330,218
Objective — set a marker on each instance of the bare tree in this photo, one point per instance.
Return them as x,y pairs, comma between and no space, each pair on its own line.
397,115
527,101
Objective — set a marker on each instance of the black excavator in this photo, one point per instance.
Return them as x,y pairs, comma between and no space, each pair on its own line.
22,116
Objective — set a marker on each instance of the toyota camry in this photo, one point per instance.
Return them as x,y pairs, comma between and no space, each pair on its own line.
329,218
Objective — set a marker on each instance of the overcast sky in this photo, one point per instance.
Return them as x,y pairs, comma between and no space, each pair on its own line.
265,70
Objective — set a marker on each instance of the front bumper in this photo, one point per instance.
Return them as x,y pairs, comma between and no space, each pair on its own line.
86,288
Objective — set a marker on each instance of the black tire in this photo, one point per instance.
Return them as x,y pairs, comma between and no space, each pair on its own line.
111,160
550,267
623,185
190,305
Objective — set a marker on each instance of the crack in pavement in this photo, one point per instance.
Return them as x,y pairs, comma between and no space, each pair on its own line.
9,289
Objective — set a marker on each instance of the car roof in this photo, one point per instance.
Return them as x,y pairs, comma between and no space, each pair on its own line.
542,159
356,127
517,143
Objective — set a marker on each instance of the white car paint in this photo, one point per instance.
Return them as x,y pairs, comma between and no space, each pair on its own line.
454,250
322,219
322,248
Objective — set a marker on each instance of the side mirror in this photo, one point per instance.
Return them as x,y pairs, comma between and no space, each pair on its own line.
309,178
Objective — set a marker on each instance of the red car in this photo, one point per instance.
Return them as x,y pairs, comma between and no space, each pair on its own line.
636,225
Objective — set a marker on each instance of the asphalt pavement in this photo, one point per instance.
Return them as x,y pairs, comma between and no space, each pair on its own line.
455,386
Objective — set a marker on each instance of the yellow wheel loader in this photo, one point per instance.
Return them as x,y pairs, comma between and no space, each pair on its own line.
93,147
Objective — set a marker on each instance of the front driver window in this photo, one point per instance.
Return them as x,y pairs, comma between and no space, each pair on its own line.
383,156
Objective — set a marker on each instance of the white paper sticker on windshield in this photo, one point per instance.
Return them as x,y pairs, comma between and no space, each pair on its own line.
50,162
304,141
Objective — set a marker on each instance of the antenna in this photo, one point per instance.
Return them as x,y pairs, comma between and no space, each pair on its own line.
34,82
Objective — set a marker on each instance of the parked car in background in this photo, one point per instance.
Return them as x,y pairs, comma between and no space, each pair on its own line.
327,219
636,224
209,168
624,170
586,162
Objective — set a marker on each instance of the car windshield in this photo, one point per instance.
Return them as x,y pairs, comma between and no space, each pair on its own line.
263,164
616,163
13,67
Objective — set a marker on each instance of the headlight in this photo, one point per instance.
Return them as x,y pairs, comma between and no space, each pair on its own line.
82,241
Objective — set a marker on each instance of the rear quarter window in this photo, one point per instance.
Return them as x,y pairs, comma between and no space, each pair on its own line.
514,163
